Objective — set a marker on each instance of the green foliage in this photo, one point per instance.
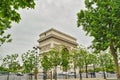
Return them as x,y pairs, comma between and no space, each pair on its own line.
84,56
101,20
93,59
106,61
30,60
111,69
74,58
77,58
3,68
90,70
65,59
45,62
55,56
9,13
98,69
11,62
83,70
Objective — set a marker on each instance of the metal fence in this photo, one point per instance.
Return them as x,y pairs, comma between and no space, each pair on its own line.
13,76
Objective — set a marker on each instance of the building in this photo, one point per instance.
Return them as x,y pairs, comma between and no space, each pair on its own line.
53,37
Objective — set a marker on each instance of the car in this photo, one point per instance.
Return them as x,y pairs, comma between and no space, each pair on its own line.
63,73
19,74
67,73
102,72
71,74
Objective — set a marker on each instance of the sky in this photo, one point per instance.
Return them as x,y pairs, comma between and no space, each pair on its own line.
58,14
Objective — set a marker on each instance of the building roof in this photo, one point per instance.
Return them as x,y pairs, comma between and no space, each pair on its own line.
52,29
57,37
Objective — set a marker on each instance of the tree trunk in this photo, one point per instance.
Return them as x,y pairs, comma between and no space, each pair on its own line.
104,75
30,76
94,74
114,54
45,75
80,72
51,75
35,74
8,75
66,76
75,73
55,73
86,71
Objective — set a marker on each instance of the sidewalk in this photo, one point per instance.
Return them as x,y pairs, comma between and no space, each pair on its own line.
82,79
88,79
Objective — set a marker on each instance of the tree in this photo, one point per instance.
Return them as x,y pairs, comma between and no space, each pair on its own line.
30,61
11,63
65,59
106,62
92,61
77,60
80,61
55,58
109,66
46,64
101,20
9,13
37,60
74,57
86,60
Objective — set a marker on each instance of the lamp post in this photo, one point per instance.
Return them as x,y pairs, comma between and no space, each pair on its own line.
36,62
